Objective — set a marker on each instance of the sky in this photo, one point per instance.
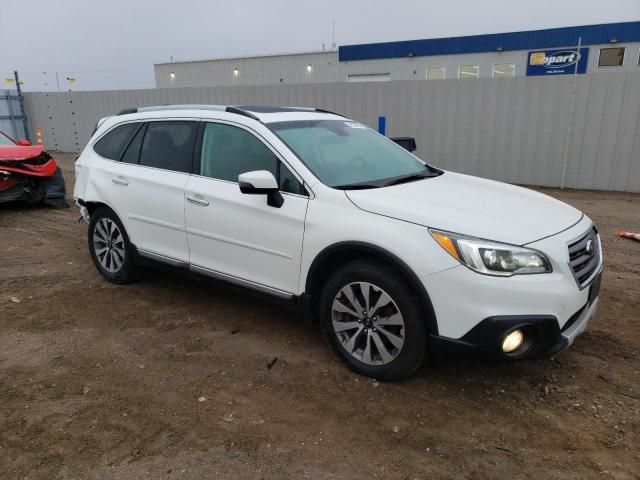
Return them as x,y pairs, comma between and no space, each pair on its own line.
113,44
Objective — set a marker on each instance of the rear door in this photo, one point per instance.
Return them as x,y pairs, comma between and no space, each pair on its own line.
149,186
236,236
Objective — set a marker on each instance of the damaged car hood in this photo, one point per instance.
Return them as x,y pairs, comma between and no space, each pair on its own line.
20,152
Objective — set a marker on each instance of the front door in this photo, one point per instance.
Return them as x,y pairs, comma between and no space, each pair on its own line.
237,236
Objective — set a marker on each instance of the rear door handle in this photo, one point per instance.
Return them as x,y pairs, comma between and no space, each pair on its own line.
197,201
120,181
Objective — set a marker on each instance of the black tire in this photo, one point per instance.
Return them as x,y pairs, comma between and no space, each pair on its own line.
127,271
413,352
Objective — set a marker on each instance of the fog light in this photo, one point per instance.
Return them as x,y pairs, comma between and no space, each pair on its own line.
513,341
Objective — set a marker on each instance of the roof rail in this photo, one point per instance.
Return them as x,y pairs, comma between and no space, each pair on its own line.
155,108
219,108
321,110
186,106
239,111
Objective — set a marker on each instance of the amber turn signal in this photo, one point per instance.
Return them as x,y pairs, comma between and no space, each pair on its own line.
446,243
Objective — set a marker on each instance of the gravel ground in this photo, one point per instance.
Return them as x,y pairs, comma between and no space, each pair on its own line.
173,377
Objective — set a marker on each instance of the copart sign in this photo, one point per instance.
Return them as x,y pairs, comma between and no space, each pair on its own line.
557,62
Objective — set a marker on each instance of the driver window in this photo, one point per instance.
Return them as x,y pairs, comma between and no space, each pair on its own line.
228,151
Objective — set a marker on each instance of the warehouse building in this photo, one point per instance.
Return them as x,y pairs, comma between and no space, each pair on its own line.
613,47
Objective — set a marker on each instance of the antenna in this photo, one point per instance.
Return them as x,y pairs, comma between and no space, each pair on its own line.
333,34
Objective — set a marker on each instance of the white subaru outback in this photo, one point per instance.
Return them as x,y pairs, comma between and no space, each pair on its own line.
395,258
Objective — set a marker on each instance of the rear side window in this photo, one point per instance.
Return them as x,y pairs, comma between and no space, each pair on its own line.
132,153
111,145
169,145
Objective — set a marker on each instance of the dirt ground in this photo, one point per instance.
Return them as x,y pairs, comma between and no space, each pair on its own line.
173,377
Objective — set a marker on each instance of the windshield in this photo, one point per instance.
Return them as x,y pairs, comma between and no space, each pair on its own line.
5,140
346,154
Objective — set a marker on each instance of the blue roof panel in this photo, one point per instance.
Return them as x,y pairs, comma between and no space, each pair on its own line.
534,39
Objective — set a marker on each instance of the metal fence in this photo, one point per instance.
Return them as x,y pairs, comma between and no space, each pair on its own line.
526,130
11,118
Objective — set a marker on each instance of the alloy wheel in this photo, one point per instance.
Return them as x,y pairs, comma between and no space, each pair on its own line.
368,323
108,245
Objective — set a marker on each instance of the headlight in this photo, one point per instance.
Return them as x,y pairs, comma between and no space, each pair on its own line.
492,258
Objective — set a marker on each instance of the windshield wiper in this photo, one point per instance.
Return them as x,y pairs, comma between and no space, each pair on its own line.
426,173
411,178
356,186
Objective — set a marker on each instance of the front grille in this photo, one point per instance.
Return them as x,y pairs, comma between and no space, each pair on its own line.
584,257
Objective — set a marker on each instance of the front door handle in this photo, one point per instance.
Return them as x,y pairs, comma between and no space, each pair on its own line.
197,201
120,181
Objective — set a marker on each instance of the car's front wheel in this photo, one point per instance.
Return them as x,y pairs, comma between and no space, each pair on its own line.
373,321
110,248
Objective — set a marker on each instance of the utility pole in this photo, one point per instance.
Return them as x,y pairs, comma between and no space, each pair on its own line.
57,81
571,113
21,103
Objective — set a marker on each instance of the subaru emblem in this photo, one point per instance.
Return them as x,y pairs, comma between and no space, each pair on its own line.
590,247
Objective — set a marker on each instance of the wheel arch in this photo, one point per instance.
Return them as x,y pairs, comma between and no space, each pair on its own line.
92,206
342,252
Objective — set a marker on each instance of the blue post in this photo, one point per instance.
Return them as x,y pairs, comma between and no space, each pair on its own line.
382,125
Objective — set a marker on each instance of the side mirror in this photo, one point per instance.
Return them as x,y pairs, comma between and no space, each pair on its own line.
24,143
408,143
261,182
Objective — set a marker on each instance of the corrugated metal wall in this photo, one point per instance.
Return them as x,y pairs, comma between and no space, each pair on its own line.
514,129
11,121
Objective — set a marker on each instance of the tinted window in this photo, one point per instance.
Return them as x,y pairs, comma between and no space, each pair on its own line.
288,183
169,145
611,57
113,142
228,151
132,153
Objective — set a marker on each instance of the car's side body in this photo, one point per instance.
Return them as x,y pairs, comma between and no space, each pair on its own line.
187,218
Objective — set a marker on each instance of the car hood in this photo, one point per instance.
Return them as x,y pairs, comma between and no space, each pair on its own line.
20,152
471,206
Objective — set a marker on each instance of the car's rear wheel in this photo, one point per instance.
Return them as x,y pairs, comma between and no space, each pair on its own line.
373,321
111,250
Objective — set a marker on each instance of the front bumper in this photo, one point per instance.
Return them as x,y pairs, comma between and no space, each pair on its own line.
543,331
474,312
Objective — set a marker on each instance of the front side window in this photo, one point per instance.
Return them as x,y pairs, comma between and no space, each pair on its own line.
611,57
504,70
169,145
111,145
436,73
228,151
469,71
346,154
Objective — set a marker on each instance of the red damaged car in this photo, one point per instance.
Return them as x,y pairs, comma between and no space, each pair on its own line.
29,174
